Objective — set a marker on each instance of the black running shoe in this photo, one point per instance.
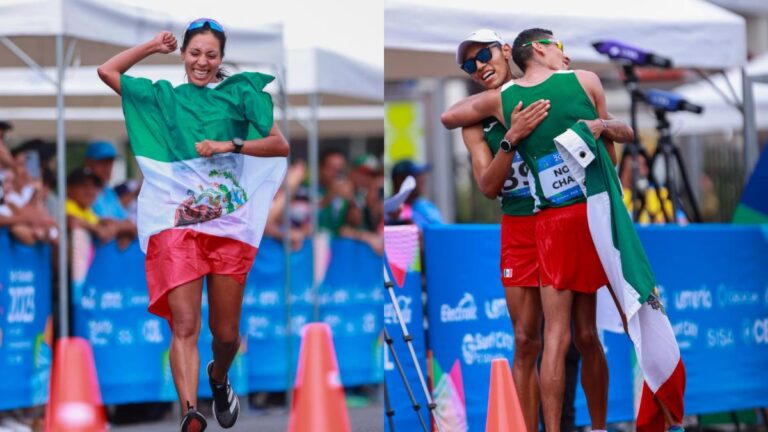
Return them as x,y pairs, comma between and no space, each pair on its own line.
193,421
226,405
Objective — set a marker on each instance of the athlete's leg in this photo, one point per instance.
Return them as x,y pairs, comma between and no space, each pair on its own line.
524,305
184,302
594,368
225,301
556,305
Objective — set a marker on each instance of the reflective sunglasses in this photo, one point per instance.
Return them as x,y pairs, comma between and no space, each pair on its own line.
558,44
484,55
200,22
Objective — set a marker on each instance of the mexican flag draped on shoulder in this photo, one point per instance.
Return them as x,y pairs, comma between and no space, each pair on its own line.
630,276
227,195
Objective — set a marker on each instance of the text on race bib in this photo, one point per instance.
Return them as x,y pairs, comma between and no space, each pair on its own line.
516,185
557,183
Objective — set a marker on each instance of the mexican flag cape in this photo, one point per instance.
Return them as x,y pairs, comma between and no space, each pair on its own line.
630,276
226,196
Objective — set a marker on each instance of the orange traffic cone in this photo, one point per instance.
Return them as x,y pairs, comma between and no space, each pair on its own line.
318,397
74,404
504,413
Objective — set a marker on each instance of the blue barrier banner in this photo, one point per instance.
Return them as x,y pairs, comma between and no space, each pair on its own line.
351,299
26,323
264,315
130,345
714,284
411,307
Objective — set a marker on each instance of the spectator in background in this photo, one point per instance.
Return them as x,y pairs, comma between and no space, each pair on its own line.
83,187
417,209
648,200
298,208
337,205
128,193
365,218
26,198
5,156
100,158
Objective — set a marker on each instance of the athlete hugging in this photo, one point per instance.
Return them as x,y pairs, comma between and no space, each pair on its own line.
549,266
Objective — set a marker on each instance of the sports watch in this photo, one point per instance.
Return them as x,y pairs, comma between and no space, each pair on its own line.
506,146
238,143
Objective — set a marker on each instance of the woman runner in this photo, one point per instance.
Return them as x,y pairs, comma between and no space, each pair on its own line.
212,160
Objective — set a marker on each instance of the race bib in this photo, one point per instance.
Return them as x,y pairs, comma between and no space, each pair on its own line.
516,185
557,183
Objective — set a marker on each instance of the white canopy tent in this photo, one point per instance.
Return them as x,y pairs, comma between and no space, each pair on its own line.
35,32
421,38
721,99
350,96
693,33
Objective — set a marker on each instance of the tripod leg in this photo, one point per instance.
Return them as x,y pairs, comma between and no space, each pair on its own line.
398,365
390,286
388,409
655,184
687,184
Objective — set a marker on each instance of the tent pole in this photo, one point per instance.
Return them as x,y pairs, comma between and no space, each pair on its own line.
287,292
314,191
750,127
61,167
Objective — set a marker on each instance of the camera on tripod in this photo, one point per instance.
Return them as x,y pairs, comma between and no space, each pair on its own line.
670,102
662,102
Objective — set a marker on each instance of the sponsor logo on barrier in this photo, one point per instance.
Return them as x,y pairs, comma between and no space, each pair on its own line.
332,320
496,308
698,299
151,331
720,337
256,324
404,303
269,298
388,364
369,323
340,296
22,307
766,296
686,332
22,276
760,331
111,300
482,349
139,300
99,332
124,337
88,300
465,310
733,297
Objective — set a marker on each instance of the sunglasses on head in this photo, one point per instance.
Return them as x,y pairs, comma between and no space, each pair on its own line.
484,55
557,43
198,23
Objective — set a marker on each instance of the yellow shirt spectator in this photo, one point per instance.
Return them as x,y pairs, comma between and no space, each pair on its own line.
651,212
86,215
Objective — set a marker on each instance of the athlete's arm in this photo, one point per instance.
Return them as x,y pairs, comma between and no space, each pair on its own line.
594,88
489,171
474,109
110,71
273,145
613,129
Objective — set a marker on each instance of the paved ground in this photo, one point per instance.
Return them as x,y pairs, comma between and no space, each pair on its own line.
368,419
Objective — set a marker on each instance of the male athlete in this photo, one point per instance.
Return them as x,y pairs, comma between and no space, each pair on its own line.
570,272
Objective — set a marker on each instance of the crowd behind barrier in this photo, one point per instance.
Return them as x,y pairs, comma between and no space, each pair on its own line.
26,324
713,282
130,345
